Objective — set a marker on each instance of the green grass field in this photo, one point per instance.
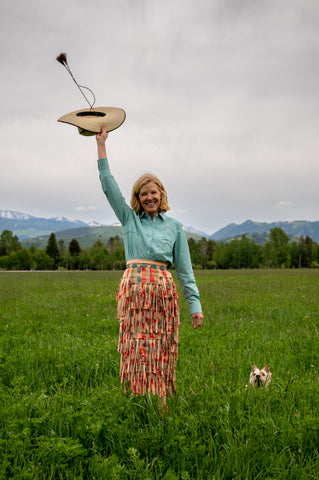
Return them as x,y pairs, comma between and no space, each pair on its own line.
63,414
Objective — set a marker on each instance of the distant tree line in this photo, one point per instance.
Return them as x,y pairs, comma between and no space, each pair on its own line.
57,255
278,252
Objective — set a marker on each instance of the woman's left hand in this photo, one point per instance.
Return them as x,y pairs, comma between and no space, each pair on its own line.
197,319
102,136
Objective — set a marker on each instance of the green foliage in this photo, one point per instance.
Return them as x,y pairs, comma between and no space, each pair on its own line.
73,260
63,414
74,248
8,243
52,249
245,253
277,250
205,254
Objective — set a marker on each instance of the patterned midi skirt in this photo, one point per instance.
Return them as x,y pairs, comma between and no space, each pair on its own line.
149,318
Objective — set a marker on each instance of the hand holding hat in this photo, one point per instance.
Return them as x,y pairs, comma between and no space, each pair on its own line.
102,136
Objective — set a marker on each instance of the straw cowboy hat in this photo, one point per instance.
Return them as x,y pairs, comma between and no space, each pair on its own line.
89,121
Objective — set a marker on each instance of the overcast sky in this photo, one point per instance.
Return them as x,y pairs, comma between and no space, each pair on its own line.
221,98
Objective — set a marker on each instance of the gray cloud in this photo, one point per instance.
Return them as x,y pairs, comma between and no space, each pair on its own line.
221,101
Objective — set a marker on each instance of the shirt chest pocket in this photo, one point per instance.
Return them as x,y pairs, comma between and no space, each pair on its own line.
127,229
164,240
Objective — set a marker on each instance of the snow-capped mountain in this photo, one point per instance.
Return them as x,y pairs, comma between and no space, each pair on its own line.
191,229
95,224
11,215
26,226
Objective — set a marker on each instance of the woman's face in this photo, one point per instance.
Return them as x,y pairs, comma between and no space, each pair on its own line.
150,198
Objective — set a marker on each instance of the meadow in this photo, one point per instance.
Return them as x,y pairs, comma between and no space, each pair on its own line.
63,414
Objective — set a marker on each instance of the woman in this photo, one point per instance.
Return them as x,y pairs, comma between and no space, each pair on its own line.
147,298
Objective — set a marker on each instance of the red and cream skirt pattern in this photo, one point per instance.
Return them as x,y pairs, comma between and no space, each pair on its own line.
149,318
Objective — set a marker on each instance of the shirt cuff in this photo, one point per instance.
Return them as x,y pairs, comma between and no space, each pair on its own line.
195,308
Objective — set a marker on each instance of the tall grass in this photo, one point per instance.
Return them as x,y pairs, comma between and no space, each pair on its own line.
63,414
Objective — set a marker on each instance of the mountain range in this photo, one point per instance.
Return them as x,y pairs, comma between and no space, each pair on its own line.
36,230
296,229
26,226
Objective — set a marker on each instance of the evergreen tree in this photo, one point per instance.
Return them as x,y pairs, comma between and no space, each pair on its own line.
74,248
52,249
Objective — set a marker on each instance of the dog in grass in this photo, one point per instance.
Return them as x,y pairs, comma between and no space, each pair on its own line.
260,378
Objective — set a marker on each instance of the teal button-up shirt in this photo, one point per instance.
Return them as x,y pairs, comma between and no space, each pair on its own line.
161,239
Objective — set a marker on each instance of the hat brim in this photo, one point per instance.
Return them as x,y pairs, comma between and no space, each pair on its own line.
89,121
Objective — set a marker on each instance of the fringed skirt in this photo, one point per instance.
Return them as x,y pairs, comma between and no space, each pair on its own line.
149,317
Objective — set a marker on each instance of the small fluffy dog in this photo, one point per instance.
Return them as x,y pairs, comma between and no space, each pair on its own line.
260,378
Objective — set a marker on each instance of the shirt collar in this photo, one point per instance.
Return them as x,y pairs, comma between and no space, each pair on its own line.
161,215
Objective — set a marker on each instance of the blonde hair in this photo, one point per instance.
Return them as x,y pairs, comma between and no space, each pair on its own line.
144,180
